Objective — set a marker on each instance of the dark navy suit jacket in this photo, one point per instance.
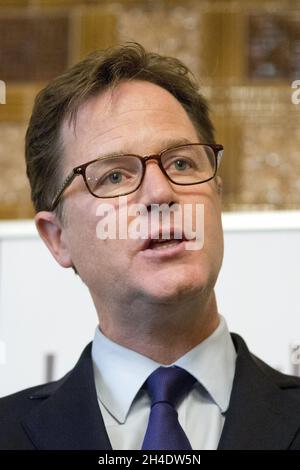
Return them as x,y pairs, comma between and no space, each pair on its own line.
264,410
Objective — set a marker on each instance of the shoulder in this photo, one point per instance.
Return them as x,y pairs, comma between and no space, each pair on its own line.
285,382
16,408
13,408
25,399
264,407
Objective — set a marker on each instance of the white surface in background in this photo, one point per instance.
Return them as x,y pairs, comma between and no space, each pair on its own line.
45,309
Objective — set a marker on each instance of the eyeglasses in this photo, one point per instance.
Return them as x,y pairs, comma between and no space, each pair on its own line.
119,175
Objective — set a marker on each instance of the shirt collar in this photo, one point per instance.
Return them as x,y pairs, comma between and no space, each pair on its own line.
212,363
120,372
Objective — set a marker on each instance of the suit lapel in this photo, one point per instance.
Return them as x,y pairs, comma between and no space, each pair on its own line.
68,415
261,415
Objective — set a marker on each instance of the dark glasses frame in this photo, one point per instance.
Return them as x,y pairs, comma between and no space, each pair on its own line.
81,170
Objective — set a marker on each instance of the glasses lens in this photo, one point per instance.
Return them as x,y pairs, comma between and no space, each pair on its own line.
112,176
189,164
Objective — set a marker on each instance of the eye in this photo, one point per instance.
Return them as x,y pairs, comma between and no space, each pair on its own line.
110,178
115,177
181,164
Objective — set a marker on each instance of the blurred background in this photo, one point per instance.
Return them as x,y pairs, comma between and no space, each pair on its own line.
245,54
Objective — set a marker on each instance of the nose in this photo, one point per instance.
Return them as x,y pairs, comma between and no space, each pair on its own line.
156,188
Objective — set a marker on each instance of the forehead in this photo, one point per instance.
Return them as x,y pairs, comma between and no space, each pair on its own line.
131,114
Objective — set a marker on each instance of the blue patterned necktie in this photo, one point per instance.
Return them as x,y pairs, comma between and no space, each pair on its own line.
167,386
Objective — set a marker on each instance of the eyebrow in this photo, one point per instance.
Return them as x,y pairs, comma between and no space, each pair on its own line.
165,144
176,142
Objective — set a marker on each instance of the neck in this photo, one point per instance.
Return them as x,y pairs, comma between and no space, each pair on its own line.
162,332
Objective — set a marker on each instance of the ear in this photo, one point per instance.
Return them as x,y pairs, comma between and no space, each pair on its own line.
219,184
52,233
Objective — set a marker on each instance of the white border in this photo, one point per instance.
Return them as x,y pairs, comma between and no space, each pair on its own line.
262,220
232,222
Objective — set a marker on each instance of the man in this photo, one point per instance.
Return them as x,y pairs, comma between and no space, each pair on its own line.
127,125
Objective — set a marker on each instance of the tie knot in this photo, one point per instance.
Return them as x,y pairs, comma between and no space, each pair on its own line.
169,384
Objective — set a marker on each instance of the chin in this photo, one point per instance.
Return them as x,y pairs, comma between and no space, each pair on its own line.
174,290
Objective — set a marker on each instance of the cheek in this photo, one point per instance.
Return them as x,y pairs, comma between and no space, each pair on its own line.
82,237
213,231
99,263
206,215
214,241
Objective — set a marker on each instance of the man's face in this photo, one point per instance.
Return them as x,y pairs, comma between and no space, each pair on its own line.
138,118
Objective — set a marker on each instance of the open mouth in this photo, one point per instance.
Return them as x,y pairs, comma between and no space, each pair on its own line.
163,244
158,246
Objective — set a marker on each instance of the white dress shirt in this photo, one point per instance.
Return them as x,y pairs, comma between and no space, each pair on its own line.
125,407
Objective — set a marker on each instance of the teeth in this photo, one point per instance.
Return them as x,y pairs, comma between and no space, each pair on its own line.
161,245
164,240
